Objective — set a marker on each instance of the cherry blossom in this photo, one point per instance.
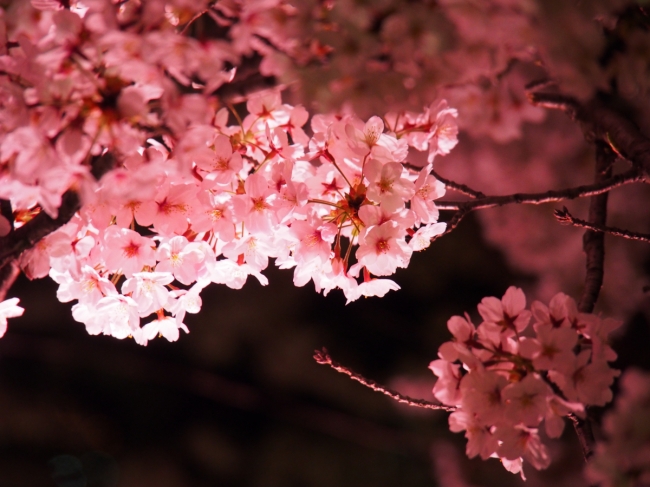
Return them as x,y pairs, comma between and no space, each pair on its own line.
208,181
506,377
9,309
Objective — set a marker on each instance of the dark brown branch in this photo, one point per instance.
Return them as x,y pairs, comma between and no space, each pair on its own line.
564,217
25,237
597,188
602,123
593,242
322,357
461,188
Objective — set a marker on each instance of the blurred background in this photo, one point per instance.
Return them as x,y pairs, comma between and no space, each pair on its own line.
241,402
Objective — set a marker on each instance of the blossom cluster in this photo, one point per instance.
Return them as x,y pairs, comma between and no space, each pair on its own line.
337,207
505,377
623,458
200,193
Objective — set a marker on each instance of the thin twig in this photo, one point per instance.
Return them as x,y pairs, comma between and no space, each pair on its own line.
461,188
322,357
192,20
564,217
585,435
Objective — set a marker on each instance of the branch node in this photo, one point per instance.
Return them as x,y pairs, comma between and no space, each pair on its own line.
322,357
563,216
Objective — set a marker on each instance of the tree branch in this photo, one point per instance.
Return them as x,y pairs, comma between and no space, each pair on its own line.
564,217
461,188
593,242
25,237
322,357
585,435
463,208
602,123
599,187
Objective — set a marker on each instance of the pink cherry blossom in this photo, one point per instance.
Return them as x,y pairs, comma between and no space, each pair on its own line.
387,186
127,251
527,400
148,290
181,258
427,189
507,314
383,251
166,327
9,309
519,441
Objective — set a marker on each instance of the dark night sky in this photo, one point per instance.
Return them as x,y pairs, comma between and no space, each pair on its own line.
240,401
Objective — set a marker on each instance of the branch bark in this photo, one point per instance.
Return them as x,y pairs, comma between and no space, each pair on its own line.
593,242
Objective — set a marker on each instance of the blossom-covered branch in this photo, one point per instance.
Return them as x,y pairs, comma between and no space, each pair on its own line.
322,357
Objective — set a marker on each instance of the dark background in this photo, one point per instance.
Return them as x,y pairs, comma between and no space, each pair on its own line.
241,402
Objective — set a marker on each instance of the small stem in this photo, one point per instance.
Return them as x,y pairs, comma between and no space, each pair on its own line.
191,21
563,216
322,357
461,188
585,435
